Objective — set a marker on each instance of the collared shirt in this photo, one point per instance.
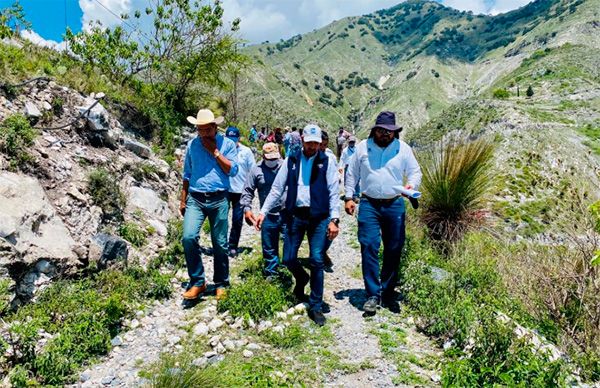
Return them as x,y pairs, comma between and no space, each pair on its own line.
382,171
246,162
201,168
346,156
278,187
261,178
332,157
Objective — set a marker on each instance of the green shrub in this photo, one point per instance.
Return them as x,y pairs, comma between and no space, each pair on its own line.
19,377
293,336
131,232
106,194
16,135
144,171
57,106
456,176
82,316
499,358
173,371
501,94
256,298
173,254
4,295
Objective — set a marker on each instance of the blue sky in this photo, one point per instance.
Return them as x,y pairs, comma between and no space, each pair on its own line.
261,19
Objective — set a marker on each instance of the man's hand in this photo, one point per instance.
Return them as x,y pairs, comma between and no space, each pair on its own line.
182,208
210,144
350,206
259,221
250,218
332,230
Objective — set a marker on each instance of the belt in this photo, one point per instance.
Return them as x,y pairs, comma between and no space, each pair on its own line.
382,201
302,212
208,196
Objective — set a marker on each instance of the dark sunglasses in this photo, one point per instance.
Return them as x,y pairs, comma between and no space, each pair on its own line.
384,131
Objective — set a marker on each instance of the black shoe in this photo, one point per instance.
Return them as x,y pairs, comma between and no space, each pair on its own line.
325,308
370,305
391,304
301,282
317,317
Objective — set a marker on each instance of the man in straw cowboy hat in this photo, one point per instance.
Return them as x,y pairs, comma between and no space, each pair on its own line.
312,207
381,164
210,160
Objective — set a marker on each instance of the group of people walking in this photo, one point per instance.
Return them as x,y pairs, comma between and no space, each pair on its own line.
299,196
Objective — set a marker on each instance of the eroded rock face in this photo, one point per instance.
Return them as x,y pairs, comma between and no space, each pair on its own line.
33,239
148,201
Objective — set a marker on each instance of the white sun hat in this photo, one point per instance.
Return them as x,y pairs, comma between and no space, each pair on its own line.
205,116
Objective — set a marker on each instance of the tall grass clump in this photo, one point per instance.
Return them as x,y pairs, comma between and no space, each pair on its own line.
16,136
106,194
456,176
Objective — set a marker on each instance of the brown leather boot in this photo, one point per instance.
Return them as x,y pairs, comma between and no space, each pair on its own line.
194,292
221,293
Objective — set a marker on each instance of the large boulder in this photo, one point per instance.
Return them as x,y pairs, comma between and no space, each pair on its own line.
108,251
100,131
33,239
141,150
148,201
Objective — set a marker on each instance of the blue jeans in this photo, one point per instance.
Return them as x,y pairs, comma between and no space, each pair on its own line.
237,220
316,229
196,212
271,228
377,222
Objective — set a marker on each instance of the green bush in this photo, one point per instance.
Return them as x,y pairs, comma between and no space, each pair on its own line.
131,232
4,295
256,298
293,336
499,358
16,135
106,194
456,176
173,254
82,316
501,94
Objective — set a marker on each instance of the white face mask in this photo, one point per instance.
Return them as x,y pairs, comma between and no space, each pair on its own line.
271,163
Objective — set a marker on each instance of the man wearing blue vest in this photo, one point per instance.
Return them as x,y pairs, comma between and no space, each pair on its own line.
210,160
381,163
312,207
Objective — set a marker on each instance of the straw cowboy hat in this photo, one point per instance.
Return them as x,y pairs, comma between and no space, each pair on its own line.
205,116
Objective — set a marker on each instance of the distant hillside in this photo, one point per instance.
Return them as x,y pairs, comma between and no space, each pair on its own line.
416,58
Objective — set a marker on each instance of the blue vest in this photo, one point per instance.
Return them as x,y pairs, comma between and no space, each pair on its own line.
319,193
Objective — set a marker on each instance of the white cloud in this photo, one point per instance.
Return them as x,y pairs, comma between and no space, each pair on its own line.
477,6
502,6
93,11
35,38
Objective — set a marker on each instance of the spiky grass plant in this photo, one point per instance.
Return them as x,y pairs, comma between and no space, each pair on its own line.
456,176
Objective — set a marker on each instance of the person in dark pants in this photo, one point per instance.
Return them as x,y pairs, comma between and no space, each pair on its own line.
381,164
245,164
261,178
312,205
210,161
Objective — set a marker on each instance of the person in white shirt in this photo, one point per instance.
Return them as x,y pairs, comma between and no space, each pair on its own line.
347,154
381,164
312,208
246,163
333,160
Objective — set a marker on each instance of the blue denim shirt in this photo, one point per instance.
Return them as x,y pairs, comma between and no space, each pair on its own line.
201,168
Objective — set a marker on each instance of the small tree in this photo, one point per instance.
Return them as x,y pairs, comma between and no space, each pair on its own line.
12,19
529,91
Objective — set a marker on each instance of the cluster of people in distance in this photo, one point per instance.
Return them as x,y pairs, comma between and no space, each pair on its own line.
298,196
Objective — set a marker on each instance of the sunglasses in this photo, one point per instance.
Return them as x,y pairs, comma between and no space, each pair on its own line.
383,131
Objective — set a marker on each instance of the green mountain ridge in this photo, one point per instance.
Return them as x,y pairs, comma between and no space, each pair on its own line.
416,58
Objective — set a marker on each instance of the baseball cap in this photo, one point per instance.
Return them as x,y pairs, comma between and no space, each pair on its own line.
232,132
311,132
352,139
271,151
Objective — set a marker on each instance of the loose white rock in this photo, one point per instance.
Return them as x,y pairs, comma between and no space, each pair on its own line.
247,353
201,329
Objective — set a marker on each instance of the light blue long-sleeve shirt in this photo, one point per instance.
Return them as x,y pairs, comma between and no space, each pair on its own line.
246,163
201,168
303,198
382,171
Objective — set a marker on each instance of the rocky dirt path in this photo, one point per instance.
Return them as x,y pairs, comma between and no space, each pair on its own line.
357,339
164,326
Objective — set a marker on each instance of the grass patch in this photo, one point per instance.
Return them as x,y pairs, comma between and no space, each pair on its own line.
80,317
592,133
133,233
293,336
16,136
106,193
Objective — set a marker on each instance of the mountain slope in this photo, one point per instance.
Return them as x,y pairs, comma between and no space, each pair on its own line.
416,58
